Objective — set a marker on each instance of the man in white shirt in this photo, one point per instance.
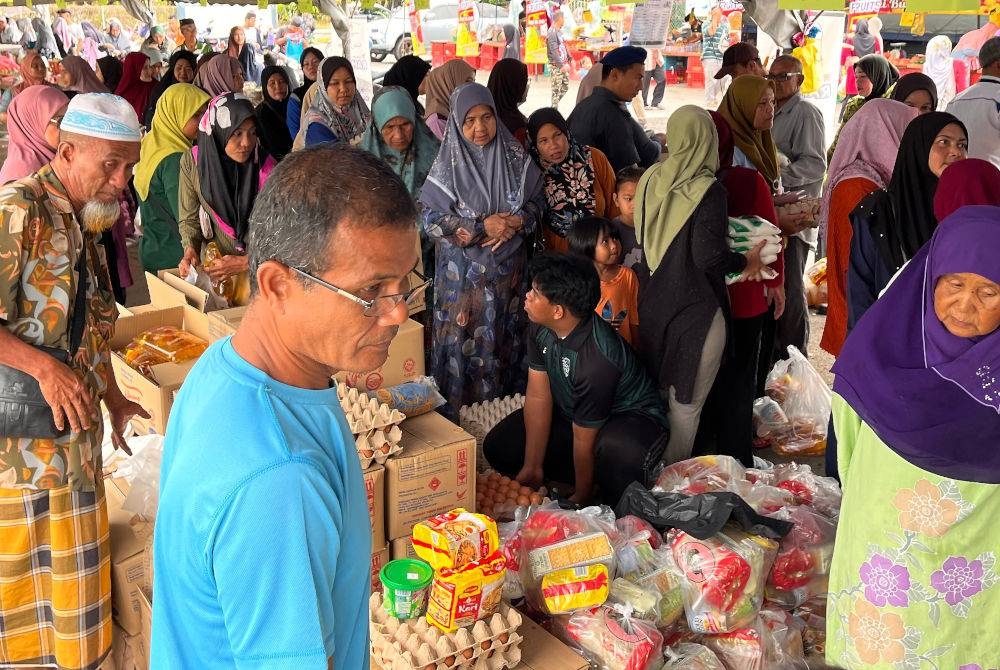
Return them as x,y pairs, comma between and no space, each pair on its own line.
801,138
978,106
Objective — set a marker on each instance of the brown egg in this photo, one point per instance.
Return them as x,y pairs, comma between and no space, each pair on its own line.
535,498
493,476
500,498
449,661
384,449
367,453
523,501
430,666
505,481
485,644
503,638
525,491
468,653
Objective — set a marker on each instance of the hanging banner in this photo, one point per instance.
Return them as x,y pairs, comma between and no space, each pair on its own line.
416,30
650,24
466,39
534,41
361,58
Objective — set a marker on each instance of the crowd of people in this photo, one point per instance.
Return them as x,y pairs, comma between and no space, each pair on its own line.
581,261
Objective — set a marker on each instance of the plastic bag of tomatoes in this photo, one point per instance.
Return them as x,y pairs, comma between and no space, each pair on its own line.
802,566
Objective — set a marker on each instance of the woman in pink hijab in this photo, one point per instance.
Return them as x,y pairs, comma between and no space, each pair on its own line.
33,128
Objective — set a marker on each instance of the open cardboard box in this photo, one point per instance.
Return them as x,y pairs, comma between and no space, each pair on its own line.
192,295
156,397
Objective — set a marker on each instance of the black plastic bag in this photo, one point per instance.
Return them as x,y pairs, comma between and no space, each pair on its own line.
700,516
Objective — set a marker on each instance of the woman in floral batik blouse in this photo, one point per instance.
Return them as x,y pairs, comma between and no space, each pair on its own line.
579,180
914,576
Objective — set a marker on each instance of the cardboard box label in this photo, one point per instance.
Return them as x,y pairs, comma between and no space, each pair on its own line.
379,559
405,362
431,475
401,548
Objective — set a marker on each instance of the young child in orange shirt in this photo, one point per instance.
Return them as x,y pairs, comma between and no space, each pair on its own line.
597,239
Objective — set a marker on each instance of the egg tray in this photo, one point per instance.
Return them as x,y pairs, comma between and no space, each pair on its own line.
365,413
414,644
378,445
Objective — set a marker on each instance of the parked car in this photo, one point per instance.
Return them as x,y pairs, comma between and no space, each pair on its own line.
440,22
389,33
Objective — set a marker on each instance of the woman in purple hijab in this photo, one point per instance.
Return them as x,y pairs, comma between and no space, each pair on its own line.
917,415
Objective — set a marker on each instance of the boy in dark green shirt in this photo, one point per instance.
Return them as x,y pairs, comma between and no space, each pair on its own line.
590,405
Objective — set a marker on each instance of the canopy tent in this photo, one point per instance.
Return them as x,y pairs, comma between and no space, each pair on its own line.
985,7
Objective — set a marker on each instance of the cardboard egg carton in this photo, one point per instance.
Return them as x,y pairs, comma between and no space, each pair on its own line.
365,413
414,644
374,424
378,445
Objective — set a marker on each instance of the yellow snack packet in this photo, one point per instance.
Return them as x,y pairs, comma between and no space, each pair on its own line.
461,597
455,539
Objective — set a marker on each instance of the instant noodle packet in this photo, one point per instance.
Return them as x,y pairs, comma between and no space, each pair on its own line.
455,539
460,597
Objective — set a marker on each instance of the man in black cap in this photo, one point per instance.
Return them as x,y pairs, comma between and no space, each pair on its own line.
740,59
602,121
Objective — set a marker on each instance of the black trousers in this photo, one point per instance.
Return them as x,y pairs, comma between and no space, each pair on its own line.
727,420
793,326
660,78
628,448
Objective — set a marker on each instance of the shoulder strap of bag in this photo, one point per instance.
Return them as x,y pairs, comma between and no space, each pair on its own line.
80,303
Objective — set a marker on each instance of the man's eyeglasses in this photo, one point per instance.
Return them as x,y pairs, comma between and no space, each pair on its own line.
783,76
381,305
56,120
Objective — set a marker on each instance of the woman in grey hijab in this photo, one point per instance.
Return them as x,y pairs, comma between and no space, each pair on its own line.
45,43
481,203
864,41
513,39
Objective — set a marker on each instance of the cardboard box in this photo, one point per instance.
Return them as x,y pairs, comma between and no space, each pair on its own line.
401,548
405,362
192,295
129,538
141,643
435,472
379,559
155,397
541,651
224,322
375,492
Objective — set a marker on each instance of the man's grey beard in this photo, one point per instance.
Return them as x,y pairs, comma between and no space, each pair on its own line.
97,216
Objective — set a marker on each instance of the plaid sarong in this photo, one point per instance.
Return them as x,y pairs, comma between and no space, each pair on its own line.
55,577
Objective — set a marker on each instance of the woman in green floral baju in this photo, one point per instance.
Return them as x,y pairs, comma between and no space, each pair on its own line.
914,581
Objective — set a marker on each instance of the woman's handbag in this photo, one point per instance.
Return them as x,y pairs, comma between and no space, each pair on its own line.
24,412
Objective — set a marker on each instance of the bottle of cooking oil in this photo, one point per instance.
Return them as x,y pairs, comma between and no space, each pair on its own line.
224,287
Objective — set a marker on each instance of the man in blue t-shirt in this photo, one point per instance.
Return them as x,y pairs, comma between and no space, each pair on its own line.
262,547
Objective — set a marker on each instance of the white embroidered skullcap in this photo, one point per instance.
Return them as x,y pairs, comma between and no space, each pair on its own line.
102,115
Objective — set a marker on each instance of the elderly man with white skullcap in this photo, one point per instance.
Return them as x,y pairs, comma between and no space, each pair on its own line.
58,313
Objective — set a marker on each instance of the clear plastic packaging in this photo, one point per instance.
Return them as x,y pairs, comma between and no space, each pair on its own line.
821,493
414,398
691,656
615,640
702,474
567,559
165,344
805,399
802,566
724,576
